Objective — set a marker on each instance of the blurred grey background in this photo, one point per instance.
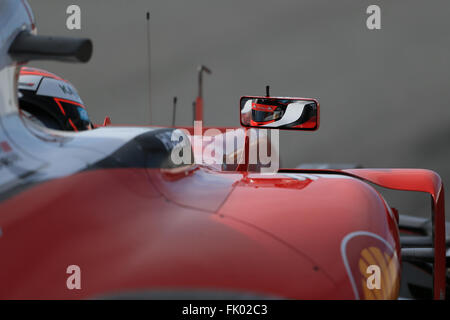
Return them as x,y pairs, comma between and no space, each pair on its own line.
384,94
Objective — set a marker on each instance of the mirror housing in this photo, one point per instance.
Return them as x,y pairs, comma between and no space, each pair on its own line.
279,113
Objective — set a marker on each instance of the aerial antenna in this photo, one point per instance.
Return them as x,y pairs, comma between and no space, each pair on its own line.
149,68
174,110
198,116
267,91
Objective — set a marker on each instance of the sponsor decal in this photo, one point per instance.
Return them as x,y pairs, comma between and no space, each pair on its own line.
372,266
58,89
65,88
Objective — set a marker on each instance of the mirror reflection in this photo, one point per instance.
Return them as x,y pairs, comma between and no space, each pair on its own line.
280,113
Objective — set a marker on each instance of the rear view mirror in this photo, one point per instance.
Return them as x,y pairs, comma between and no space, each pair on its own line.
279,113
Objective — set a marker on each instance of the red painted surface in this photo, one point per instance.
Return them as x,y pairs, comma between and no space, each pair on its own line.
39,72
199,109
310,124
126,234
421,180
131,229
107,121
196,228
260,123
316,221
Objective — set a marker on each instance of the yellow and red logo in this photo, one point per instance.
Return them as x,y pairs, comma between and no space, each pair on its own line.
381,281
372,266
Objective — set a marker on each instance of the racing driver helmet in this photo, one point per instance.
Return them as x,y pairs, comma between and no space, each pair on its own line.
52,100
265,111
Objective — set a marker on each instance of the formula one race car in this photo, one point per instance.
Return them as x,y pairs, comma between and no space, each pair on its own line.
153,212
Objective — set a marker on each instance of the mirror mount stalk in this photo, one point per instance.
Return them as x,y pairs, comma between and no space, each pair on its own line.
246,152
198,116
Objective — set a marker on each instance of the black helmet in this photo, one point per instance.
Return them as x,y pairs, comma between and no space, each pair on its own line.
52,100
267,110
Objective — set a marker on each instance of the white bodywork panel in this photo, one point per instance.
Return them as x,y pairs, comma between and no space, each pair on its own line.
29,152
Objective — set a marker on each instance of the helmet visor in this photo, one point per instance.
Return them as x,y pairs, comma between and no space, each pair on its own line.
76,114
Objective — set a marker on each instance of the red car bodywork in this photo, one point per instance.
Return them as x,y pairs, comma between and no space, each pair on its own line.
301,234
139,229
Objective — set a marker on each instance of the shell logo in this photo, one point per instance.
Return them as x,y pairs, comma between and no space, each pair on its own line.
389,282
